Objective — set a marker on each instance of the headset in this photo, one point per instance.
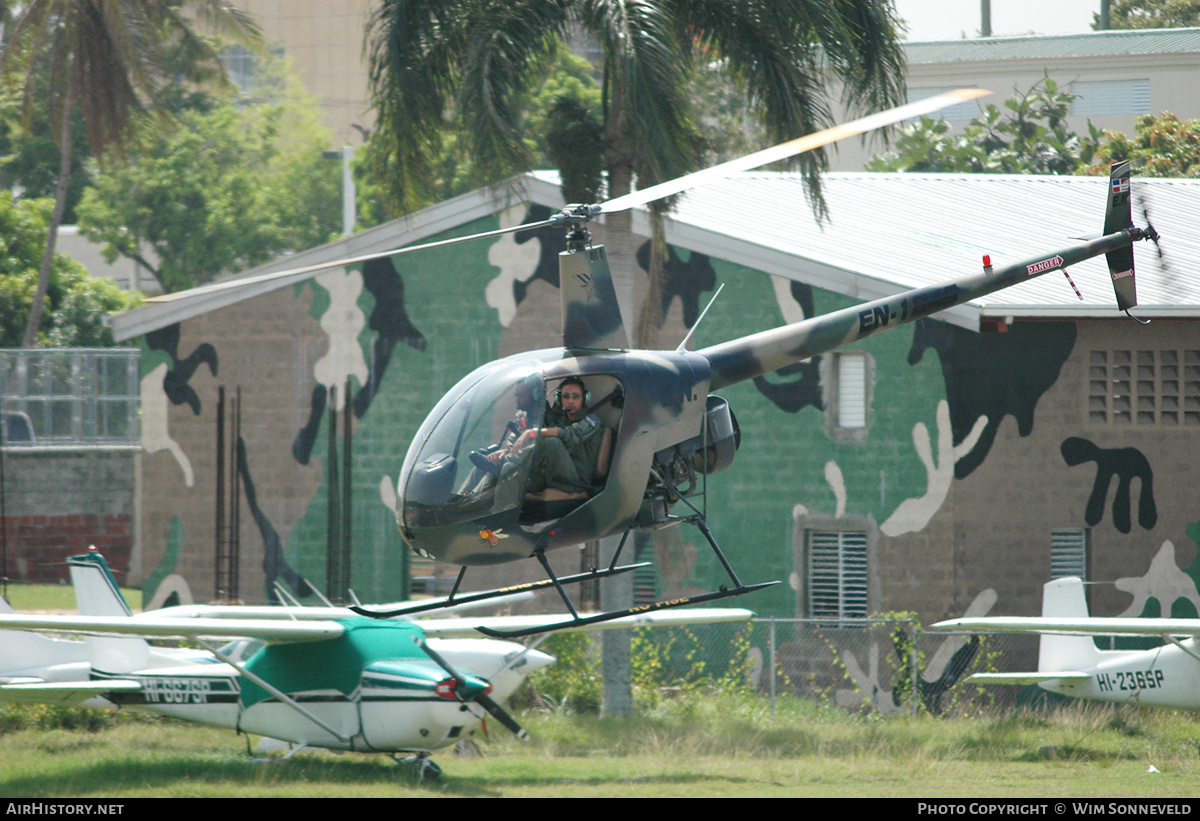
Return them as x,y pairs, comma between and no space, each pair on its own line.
572,380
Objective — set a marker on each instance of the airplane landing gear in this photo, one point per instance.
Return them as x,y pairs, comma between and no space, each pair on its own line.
427,770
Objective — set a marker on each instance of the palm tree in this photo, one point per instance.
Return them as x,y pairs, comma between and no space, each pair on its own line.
107,59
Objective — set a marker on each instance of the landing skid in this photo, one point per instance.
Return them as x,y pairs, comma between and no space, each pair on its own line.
638,610
455,599
576,621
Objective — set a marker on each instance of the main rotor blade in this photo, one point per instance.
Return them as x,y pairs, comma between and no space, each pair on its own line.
632,200
299,273
791,148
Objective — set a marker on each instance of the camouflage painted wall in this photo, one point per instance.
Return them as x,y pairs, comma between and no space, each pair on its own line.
977,444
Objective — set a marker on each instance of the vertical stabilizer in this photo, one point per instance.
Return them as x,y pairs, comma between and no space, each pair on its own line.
97,594
1063,598
1117,217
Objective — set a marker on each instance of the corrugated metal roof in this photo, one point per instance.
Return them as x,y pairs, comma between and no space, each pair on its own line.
886,233
1092,44
889,232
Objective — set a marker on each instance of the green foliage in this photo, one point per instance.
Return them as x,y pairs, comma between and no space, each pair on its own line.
1151,14
469,67
575,145
1162,146
730,123
29,155
573,683
229,187
76,302
561,121
1030,136
666,663
16,718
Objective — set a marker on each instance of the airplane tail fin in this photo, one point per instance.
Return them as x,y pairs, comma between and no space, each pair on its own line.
1118,216
97,594
1063,598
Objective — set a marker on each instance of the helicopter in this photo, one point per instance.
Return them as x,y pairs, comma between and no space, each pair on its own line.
462,494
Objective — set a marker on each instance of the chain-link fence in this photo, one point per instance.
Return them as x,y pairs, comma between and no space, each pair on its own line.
871,666
70,396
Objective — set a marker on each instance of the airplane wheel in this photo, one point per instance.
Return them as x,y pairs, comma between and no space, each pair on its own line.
428,771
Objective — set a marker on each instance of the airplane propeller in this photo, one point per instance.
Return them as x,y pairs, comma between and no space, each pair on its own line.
466,691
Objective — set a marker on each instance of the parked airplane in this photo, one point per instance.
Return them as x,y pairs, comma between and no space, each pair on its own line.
1070,663
349,683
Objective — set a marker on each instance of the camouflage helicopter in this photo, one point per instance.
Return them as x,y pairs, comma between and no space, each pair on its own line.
462,492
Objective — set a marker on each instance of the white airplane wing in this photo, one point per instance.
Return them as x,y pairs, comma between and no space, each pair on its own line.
307,612
452,628
281,630
1027,678
218,629
1081,626
62,693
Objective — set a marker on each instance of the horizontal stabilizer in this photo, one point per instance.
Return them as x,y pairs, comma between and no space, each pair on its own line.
1026,678
1076,626
64,693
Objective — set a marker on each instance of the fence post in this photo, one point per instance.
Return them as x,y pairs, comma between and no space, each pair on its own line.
771,653
912,623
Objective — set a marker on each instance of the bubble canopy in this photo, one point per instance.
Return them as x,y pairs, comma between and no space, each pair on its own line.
470,458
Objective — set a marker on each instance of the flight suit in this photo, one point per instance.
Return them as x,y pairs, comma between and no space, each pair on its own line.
566,462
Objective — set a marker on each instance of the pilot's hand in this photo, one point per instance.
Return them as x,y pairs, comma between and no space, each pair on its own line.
524,440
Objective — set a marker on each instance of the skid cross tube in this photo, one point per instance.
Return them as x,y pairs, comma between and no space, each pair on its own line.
484,595
636,610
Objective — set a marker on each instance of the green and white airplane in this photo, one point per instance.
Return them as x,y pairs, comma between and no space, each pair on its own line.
1069,662
311,677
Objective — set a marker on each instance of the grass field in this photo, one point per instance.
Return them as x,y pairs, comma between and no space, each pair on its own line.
51,598
720,746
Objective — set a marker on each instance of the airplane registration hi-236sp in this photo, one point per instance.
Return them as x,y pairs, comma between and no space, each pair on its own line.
1069,662
472,488
308,676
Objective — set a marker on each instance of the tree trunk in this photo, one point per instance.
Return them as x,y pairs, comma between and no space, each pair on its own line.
56,218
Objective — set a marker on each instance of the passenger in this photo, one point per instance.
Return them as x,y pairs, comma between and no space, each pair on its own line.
517,433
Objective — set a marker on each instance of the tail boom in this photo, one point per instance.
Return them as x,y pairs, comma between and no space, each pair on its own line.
760,353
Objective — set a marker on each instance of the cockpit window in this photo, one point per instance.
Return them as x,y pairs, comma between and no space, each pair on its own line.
474,454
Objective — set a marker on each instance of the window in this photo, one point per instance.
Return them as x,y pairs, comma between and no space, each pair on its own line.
1097,99
837,575
1068,553
241,66
852,391
1144,388
847,382
959,112
71,396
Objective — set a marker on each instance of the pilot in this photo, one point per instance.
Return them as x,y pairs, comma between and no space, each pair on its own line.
564,464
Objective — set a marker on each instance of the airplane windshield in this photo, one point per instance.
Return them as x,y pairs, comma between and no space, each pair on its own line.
474,455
